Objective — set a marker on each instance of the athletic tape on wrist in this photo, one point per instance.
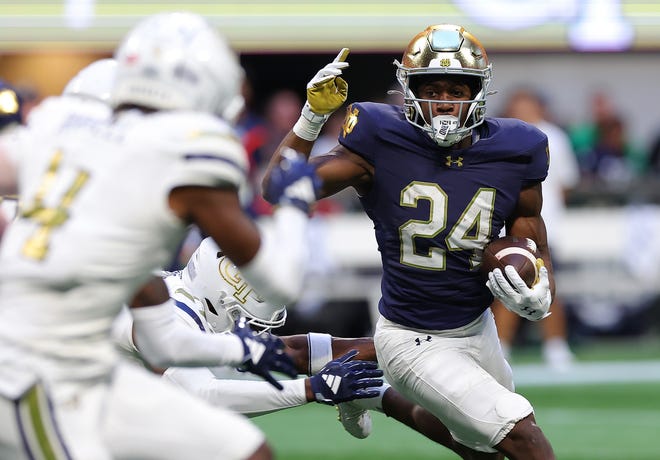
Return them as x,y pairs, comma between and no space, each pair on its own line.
309,124
306,129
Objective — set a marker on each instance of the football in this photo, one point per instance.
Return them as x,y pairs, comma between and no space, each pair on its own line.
511,250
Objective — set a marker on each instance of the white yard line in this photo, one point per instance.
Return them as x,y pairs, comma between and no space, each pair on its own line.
592,417
585,373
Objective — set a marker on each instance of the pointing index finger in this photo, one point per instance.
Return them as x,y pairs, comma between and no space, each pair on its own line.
343,54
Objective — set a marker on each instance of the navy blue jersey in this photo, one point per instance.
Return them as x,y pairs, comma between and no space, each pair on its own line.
434,209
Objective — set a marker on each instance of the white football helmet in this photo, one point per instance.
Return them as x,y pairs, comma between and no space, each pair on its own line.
442,50
178,61
226,296
94,81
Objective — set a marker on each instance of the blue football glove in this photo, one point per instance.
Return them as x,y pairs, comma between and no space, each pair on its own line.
343,380
293,182
263,354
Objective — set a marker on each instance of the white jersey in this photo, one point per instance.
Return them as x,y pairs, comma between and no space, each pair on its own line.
8,208
227,387
563,175
95,223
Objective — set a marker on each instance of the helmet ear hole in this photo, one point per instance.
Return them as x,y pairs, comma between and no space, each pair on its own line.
235,315
210,306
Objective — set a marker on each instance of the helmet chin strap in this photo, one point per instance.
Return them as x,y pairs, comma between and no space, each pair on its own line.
444,130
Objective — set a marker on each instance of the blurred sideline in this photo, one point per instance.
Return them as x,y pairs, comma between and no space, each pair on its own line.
609,274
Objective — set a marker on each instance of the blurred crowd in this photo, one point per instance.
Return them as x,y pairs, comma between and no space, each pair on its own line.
613,168
595,162
612,164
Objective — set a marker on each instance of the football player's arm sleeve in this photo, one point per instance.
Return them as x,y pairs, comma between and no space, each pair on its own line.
276,270
163,341
248,397
122,331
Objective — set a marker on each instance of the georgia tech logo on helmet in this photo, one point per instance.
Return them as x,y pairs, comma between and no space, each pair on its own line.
350,121
231,275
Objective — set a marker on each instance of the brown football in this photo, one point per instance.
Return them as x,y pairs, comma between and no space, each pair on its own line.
511,250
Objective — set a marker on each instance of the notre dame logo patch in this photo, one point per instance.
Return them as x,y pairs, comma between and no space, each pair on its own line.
350,121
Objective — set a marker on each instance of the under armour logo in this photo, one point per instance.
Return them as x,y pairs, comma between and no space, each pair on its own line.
418,341
333,382
450,161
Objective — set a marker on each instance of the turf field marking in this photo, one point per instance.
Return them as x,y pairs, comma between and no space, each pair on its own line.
591,372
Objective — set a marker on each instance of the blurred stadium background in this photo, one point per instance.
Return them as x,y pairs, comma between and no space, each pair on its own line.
606,407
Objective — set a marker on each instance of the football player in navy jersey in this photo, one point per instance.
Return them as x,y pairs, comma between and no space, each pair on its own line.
440,180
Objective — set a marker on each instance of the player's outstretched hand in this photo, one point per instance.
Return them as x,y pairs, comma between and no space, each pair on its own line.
327,91
344,380
293,181
263,354
531,303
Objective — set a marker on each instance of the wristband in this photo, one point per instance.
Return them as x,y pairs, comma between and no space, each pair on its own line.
309,125
320,351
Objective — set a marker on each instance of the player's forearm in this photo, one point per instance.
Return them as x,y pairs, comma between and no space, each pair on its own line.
298,144
312,351
163,341
248,397
291,141
364,346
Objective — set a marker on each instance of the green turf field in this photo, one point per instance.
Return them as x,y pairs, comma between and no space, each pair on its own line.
584,421
595,422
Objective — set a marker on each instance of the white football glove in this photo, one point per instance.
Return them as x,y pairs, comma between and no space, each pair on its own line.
531,303
326,92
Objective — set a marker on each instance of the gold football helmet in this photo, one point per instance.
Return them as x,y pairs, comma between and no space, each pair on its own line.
445,49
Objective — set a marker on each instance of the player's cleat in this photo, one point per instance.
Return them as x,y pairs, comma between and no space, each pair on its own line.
356,421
